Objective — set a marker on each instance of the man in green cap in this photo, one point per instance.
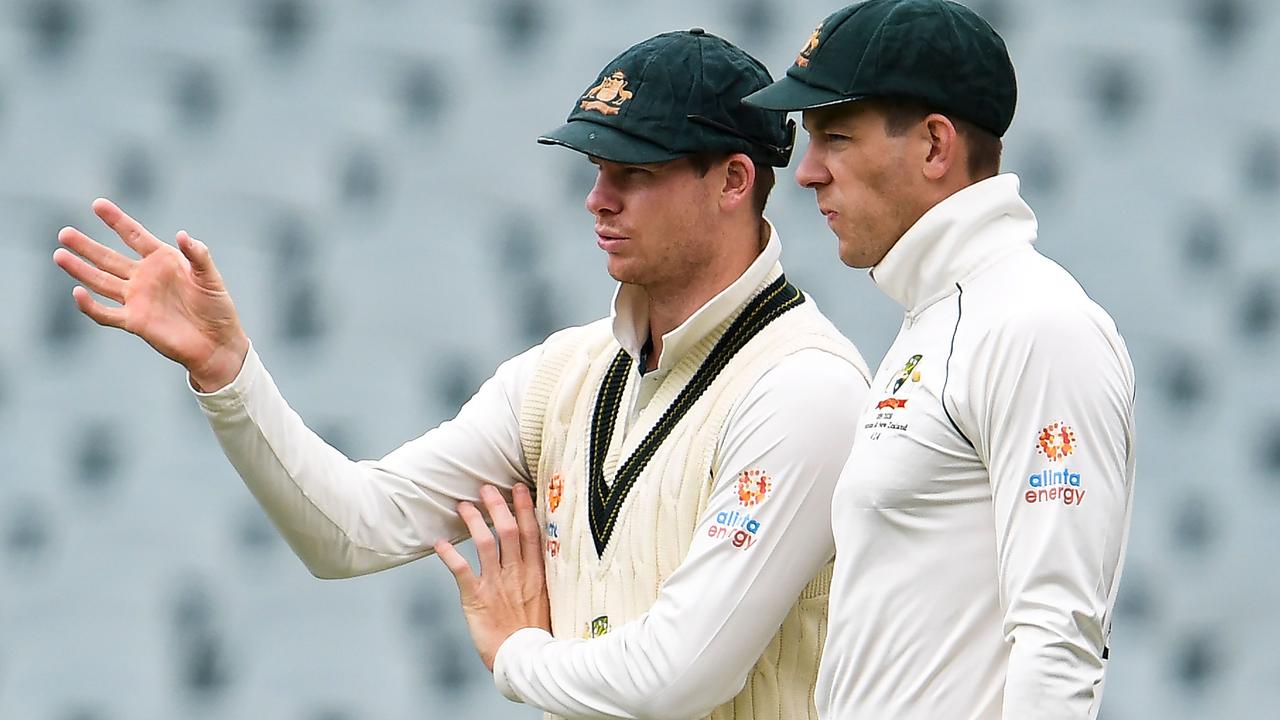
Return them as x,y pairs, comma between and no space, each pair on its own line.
680,449
982,517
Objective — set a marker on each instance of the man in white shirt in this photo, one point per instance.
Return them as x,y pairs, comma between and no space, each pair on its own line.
684,450
982,517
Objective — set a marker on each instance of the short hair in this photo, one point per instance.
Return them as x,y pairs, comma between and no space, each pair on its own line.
900,113
765,177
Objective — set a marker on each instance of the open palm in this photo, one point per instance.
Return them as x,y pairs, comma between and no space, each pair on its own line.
171,297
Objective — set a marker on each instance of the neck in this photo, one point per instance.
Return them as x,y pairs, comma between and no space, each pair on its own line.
671,306
668,312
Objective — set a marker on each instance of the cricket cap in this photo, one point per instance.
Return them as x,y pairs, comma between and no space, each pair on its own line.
674,95
938,52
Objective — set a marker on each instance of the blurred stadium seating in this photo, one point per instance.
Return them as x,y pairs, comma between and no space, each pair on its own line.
366,176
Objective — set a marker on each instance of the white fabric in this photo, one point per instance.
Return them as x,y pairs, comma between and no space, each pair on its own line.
663,516
347,518
967,586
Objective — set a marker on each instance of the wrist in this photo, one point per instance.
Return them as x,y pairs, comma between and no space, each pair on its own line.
515,656
222,367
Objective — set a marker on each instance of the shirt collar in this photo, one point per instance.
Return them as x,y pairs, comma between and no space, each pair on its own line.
631,309
955,239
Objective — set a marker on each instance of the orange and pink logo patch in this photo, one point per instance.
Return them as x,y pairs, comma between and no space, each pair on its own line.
555,491
753,486
1056,441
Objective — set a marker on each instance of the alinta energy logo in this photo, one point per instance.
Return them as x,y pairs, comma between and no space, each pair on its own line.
740,528
753,487
553,539
1055,442
555,492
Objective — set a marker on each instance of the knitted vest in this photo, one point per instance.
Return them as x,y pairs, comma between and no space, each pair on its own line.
646,533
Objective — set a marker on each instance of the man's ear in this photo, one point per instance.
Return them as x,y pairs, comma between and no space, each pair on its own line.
739,180
945,148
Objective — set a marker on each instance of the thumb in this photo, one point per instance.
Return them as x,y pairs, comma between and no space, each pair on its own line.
197,253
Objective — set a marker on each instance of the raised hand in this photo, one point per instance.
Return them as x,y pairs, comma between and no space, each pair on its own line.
511,590
171,297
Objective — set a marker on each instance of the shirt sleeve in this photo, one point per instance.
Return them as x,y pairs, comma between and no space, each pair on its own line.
718,611
1055,428
345,518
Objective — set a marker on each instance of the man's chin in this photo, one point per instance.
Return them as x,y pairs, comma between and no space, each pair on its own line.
619,270
857,262
853,256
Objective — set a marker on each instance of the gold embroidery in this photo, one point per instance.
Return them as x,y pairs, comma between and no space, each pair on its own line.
609,95
803,58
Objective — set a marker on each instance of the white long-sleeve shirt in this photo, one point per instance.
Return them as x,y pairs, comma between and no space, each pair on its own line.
346,518
982,517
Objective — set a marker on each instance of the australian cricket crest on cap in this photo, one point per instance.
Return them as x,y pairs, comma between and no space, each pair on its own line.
608,96
803,58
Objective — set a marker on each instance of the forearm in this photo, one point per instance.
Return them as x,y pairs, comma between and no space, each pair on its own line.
321,501
1051,677
346,518
636,674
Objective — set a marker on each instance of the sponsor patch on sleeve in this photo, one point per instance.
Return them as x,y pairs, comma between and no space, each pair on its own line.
553,539
1056,482
739,527
753,487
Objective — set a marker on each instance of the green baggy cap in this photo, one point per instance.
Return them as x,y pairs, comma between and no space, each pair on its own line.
674,95
936,51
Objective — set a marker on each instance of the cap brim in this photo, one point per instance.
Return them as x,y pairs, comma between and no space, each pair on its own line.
790,94
607,143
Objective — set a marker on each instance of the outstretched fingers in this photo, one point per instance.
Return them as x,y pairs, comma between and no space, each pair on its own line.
95,252
197,253
99,313
103,283
130,231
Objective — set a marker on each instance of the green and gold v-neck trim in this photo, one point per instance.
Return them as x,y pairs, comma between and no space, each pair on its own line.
606,499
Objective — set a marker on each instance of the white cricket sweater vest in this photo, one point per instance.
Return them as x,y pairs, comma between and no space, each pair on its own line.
655,524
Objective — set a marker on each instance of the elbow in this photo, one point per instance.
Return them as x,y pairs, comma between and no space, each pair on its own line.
324,571
327,563
328,568
350,560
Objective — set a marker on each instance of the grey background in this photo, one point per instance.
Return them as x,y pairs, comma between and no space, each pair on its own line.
366,176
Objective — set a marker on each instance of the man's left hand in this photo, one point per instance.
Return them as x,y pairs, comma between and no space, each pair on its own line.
511,591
